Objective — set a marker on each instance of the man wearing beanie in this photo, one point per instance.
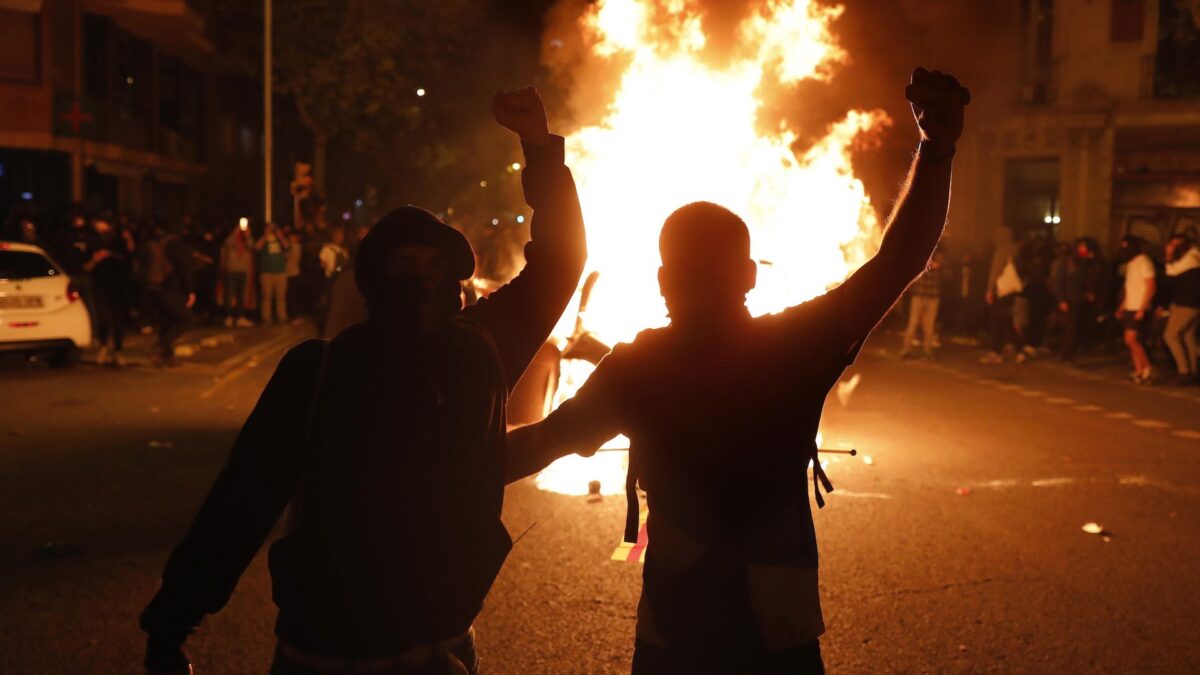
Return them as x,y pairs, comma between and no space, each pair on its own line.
388,443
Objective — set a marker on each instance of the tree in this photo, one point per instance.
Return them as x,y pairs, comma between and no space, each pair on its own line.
352,68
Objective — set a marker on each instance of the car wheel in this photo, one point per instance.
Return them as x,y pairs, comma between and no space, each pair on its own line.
64,357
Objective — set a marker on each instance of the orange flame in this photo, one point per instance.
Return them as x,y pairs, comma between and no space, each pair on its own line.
680,130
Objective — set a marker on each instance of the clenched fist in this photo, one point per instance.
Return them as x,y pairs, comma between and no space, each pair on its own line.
937,103
522,111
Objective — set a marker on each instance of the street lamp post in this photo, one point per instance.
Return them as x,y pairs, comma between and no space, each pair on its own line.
268,141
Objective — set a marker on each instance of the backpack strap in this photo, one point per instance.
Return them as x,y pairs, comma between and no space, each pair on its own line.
633,506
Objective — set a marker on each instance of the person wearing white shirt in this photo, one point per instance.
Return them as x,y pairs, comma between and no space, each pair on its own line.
1134,310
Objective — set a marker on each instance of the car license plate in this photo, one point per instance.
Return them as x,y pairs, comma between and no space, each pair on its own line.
21,302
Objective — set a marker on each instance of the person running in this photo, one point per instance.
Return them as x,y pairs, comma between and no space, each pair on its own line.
389,443
722,411
1136,305
1183,273
272,274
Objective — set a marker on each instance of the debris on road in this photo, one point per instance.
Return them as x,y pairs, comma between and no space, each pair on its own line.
1097,529
962,491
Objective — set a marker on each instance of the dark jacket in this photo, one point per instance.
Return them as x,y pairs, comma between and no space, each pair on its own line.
398,534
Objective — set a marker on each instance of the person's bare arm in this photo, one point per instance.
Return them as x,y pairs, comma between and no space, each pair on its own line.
919,216
580,425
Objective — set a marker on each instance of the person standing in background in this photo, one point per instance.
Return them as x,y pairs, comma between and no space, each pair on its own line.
925,294
1183,271
293,293
272,274
1004,285
1134,309
109,268
165,265
236,261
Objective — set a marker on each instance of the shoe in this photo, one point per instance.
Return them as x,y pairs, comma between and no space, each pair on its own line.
118,359
243,322
991,359
1145,377
1022,357
931,355
1182,380
1029,350
102,356
229,322
146,330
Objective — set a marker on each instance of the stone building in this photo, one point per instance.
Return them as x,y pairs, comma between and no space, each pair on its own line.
1098,131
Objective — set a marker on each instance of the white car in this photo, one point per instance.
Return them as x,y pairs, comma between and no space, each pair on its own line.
40,309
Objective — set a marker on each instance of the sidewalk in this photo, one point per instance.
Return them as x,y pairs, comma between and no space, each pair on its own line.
207,348
1112,367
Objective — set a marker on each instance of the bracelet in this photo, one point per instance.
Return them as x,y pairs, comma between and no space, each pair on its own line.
927,149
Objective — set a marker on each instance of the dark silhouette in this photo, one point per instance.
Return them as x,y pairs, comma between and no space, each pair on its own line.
722,412
388,441
165,265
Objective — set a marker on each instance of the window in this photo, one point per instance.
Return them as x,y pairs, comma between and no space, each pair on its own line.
20,46
1037,22
1127,20
24,265
1175,71
96,31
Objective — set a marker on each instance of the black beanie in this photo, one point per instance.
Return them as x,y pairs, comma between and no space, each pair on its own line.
410,225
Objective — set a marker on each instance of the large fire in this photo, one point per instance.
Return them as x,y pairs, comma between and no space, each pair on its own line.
680,129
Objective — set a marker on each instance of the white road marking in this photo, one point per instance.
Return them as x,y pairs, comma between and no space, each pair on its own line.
1051,482
1151,424
1118,415
1060,400
1089,408
861,495
1187,433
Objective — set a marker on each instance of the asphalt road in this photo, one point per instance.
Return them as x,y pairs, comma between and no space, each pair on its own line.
958,549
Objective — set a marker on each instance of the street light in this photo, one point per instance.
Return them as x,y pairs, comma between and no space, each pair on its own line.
420,92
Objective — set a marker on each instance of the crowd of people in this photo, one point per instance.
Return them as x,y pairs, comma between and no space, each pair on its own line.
1039,296
162,276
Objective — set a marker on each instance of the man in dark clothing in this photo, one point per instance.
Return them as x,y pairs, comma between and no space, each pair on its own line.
722,411
109,268
72,252
165,266
1078,285
397,477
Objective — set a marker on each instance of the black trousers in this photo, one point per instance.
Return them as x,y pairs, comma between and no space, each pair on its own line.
171,316
1078,324
806,659
111,312
1003,328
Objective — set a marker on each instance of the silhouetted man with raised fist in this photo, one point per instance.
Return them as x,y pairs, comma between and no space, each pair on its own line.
388,442
722,410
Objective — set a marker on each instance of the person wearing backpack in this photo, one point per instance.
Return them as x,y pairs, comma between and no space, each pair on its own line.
388,441
165,265
722,409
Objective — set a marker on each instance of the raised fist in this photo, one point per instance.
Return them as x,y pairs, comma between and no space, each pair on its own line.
937,103
522,111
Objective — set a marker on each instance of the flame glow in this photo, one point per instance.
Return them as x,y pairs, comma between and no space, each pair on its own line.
680,129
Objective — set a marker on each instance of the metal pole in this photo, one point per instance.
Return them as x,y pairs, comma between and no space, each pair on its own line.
268,141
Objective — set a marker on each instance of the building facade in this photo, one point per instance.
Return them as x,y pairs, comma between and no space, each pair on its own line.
124,106
1098,132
